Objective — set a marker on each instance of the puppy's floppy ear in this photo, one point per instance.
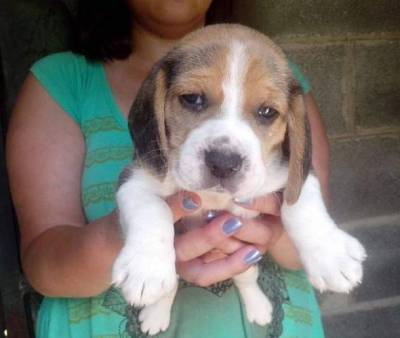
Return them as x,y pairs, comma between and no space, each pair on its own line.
147,122
298,140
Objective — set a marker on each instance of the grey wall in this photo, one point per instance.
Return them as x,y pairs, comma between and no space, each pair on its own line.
29,30
350,50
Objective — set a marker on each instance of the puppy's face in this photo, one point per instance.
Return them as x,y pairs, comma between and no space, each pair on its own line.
222,104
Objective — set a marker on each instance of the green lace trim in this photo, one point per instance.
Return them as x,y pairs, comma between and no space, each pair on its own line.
106,154
297,281
85,309
107,123
299,315
98,193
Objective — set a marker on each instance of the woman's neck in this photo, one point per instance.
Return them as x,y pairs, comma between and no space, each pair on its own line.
125,76
150,46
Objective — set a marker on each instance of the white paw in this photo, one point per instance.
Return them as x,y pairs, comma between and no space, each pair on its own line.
144,276
260,312
258,306
155,318
336,264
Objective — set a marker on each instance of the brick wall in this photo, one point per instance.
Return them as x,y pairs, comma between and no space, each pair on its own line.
350,50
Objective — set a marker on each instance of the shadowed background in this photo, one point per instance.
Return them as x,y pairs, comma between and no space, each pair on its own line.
350,51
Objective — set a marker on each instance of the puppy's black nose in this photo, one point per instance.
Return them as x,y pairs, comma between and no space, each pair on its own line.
223,164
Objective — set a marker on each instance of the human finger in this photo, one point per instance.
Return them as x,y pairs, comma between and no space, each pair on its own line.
268,204
204,274
213,255
214,234
183,203
262,231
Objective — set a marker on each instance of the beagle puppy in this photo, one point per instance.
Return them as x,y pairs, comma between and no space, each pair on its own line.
222,115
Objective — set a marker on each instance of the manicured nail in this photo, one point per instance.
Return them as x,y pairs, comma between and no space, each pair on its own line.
279,197
252,257
231,225
211,214
243,201
189,204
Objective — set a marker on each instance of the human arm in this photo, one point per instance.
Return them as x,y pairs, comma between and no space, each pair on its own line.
320,145
61,255
279,245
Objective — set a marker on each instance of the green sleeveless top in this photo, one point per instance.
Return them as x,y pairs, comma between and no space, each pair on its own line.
82,91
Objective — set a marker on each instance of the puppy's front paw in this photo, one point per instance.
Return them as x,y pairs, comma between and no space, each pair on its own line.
336,264
153,319
156,317
144,277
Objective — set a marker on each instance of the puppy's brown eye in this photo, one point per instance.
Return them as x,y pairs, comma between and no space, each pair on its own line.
194,102
266,113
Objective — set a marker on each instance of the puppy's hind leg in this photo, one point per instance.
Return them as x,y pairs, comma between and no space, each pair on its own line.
257,305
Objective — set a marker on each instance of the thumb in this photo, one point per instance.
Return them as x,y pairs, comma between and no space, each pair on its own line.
183,203
268,204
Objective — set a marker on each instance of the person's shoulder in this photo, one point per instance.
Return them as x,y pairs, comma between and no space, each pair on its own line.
64,70
64,76
300,77
63,60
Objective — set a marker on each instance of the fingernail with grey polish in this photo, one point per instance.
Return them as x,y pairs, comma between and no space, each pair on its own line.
243,201
252,257
189,204
231,225
211,214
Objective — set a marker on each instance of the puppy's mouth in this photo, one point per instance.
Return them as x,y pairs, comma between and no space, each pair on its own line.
206,179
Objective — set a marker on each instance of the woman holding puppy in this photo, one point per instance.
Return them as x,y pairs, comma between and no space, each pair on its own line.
68,141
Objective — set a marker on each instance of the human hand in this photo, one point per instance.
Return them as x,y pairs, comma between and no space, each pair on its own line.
262,231
190,247
280,246
266,229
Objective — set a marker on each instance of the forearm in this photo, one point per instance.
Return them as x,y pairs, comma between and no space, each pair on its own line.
285,254
71,261
320,145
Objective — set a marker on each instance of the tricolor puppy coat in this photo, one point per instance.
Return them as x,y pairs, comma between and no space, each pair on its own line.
222,115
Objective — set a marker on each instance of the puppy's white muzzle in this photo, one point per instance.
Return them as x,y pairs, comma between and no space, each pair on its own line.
223,154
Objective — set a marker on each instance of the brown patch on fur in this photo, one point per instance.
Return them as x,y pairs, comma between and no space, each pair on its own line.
203,79
160,93
144,121
299,159
263,87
